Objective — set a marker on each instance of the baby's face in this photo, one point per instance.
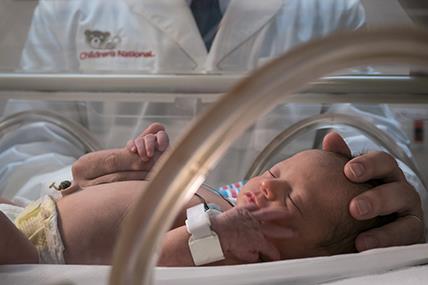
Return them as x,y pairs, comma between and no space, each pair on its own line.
312,191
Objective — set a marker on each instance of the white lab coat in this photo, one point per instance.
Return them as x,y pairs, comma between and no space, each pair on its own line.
161,36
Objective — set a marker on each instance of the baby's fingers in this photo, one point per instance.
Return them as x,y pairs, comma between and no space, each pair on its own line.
130,145
150,144
162,141
140,145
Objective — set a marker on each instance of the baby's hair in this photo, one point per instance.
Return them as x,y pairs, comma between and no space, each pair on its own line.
341,240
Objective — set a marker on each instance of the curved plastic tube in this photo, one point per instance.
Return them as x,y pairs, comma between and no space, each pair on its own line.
14,121
182,170
323,121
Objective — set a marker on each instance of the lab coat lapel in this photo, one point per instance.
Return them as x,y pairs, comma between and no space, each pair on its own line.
174,18
243,19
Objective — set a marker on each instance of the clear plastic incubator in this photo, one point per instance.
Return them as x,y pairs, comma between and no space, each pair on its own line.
91,192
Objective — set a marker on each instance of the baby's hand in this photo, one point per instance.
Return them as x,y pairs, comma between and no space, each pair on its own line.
243,234
152,139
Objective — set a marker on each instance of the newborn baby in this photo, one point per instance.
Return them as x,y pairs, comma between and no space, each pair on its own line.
312,189
298,208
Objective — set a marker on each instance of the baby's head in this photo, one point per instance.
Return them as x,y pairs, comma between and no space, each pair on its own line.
312,190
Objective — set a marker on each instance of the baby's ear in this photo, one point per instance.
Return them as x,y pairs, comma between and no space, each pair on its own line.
333,142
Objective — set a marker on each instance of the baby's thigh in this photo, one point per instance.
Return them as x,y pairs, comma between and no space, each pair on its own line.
6,201
15,248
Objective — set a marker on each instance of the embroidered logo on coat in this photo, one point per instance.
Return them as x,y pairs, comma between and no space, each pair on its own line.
106,46
101,40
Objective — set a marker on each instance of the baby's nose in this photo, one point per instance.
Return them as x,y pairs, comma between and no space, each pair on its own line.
274,189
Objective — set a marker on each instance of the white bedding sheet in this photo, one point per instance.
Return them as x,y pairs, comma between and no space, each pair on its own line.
397,265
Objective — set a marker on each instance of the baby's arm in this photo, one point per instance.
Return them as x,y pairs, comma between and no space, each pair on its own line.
132,162
15,248
108,166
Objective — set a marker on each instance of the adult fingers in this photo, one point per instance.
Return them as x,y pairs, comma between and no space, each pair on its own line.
249,207
373,165
333,142
268,214
162,140
268,251
392,234
276,231
153,129
140,144
383,200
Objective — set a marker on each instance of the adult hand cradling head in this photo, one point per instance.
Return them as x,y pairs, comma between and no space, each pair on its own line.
395,195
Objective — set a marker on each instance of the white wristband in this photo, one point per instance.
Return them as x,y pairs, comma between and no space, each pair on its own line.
204,243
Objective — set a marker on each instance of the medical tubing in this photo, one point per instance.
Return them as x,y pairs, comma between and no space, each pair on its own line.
183,168
17,120
324,121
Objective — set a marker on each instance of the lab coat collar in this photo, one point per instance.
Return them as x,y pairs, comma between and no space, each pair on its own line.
243,19
174,18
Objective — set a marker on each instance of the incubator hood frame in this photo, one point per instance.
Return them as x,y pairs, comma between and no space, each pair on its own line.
79,133
208,139
285,76
325,121
207,88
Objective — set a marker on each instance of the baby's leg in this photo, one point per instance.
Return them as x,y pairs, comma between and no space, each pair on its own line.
15,248
5,201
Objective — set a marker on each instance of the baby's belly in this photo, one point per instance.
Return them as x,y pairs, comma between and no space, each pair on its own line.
90,220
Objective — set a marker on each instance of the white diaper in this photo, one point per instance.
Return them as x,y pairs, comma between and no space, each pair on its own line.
38,222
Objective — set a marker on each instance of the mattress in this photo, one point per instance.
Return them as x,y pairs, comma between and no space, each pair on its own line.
395,265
